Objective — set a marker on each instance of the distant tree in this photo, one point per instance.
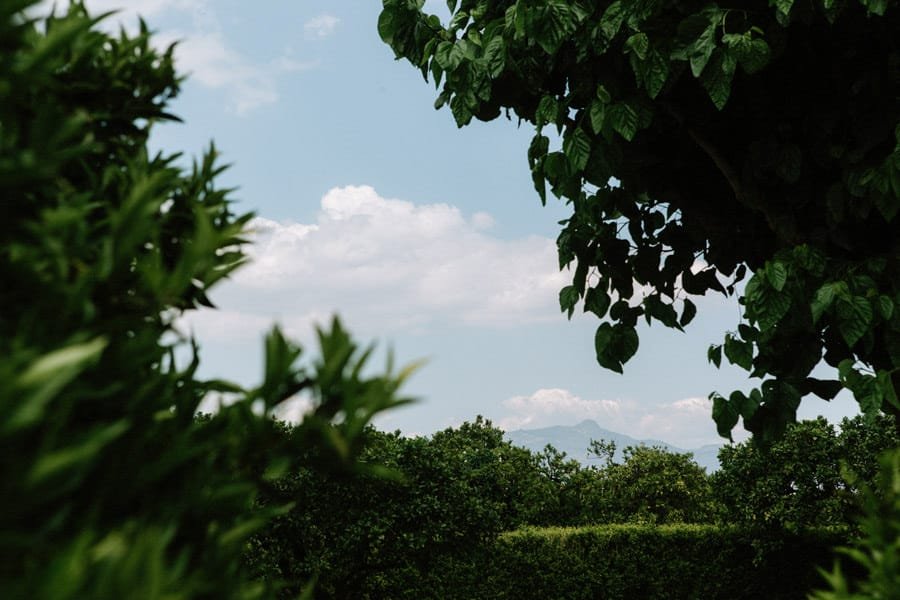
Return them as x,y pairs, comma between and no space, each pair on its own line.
702,141
653,485
111,487
448,494
798,481
650,485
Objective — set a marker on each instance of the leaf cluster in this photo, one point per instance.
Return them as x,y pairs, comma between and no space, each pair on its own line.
701,142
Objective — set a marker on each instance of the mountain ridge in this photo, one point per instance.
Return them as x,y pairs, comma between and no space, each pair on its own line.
575,439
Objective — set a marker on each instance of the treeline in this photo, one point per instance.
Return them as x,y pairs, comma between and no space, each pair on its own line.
443,499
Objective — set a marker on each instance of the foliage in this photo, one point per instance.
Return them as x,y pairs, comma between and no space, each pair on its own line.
626,561
700,142
449,494
450,497
797,482
111,487
877,552
653,485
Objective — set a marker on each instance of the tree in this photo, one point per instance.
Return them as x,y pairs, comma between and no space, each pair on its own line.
449,495
653,485
111,486
798,481
701,142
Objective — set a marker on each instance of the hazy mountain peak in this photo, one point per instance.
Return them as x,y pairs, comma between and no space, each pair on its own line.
574,440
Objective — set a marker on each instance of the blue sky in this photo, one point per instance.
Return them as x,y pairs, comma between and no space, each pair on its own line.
423,237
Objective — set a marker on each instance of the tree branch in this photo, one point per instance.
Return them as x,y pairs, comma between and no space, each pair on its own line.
725,168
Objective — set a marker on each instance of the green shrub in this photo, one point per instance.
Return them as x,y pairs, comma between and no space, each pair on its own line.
632,561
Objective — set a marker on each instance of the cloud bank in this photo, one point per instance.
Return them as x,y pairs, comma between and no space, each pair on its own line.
388,266
203,52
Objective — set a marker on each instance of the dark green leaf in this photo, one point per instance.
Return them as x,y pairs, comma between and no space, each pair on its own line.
597,115
623,119
612,18
547,111
714,355
776,273
614,345
885,307
725,415
739,352
568,298
688,312
717,78
824,298
597,301
639,44
656,74
824,389
854,317
577,146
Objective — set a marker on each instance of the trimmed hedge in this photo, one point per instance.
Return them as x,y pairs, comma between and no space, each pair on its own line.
627,562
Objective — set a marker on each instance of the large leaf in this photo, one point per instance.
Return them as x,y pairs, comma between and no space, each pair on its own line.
854,317
577,146
624,119
568,298
614,345
725,414
824,298
739,352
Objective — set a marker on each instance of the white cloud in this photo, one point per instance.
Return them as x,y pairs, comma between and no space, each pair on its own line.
128,11
203,52
320,27
294,409
554,404
387,266
209,61
684,423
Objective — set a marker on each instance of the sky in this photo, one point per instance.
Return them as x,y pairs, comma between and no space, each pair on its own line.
425,238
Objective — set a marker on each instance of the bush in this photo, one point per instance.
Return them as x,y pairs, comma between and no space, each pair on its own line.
634,561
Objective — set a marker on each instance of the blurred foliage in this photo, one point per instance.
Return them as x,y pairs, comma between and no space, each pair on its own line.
876,553
110,487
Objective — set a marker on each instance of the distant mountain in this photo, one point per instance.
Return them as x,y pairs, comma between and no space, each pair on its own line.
575,439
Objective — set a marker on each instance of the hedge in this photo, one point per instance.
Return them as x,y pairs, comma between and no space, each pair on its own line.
627,562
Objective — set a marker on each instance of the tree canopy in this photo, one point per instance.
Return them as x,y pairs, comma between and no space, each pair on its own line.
699,143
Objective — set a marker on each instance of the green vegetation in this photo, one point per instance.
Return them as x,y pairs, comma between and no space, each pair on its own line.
111,487
701,141
800,481
444,519
877,553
